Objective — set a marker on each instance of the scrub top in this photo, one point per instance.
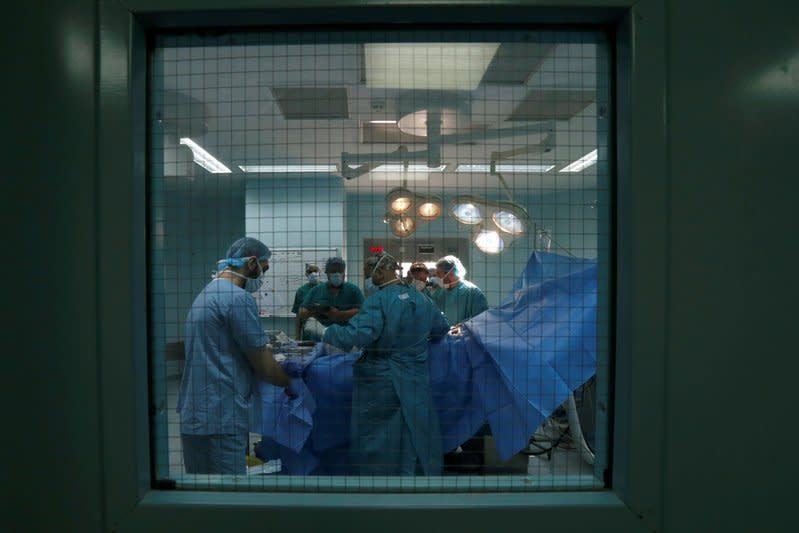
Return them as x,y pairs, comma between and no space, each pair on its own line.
300,295
349,297
394,425
461,302
219,384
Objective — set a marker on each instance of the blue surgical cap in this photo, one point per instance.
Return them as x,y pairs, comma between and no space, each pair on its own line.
451,263
334,261
243,249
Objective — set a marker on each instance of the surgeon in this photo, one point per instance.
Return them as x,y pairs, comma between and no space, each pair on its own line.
369,288
457,298
312,275
226,356
333,302
394,426
418,276
461,300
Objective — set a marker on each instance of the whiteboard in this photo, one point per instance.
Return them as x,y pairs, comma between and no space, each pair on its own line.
286,274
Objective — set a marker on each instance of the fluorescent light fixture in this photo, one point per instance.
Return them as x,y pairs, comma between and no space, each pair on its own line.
382,122
287,169
203,158
427,65
511,168
584,162
393,167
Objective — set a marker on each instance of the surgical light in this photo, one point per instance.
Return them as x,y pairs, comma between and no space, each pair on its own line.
489,242
399,200
403,226
203,158
429,208
496,223
400,205
466,212
508,222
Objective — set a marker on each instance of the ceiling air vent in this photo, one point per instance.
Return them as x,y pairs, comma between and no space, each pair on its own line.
514,63
308,103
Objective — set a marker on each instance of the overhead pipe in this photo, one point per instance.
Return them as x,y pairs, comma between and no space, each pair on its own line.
432,156
433,139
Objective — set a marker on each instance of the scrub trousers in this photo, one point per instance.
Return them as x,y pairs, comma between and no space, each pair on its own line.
215,454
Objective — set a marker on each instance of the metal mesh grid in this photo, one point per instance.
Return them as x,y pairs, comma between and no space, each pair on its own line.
307,141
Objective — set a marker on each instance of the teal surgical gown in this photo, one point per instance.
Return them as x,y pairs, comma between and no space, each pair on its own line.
300,295
348,297
461,302
394,423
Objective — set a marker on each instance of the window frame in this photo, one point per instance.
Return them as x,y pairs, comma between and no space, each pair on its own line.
639,283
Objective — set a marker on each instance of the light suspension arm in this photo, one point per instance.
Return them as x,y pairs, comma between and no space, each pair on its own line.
367,162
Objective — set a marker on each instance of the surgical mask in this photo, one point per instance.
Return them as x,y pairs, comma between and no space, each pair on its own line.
313,278
369,288
336,279
419,285
251,284
436,281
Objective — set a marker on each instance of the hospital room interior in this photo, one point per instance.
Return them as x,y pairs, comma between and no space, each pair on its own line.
433,162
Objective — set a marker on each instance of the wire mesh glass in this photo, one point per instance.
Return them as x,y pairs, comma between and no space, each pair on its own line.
414,146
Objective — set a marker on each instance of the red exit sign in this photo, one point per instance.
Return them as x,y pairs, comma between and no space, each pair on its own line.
376,249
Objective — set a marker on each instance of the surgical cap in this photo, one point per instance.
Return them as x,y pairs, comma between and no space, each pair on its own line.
370,263
418,266
243,249
451,263
386,262
334,262
248,247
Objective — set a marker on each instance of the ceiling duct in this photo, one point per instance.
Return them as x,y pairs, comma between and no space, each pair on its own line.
552,105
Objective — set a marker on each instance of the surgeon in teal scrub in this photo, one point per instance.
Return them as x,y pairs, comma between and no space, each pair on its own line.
312,273
394,428
335,301
457,298
461,300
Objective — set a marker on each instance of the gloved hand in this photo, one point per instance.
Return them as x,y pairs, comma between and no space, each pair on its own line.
292,367
322,348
